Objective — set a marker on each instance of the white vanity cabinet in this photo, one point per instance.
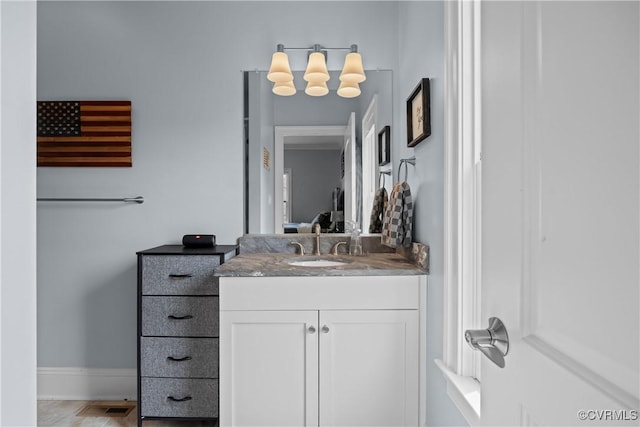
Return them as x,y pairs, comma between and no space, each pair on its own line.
330,351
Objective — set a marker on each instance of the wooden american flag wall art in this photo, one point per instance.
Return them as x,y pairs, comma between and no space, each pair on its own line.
84,133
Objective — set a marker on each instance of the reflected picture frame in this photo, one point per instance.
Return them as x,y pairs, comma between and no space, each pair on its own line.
384,146
419,113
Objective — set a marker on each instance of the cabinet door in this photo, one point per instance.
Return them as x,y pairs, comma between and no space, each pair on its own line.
369,371
269,368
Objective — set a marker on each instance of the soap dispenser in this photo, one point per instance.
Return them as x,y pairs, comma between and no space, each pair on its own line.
355,244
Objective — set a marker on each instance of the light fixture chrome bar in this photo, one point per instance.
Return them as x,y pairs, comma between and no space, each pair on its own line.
317,48
316,74
138,199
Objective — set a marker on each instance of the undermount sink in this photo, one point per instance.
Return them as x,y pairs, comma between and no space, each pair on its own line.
318,262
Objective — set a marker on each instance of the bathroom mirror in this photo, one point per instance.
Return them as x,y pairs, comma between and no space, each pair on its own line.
312,159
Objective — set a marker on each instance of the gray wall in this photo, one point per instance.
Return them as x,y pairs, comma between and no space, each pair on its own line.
314,176
18,218
421,54
180,64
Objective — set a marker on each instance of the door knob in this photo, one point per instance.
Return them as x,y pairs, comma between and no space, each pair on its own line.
493,342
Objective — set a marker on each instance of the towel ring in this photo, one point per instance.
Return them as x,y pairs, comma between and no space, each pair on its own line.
411,160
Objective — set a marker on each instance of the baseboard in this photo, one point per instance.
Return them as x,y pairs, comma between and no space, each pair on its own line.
86,384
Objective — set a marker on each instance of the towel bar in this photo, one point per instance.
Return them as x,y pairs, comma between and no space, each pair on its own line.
138,199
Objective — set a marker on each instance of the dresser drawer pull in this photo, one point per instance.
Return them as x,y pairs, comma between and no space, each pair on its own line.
182,399
187,317
180,276
178,359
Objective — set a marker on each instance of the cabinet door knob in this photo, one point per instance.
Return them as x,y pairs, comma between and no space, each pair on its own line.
325,329
312,329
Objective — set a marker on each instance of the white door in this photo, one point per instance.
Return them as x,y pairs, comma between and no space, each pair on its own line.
560,210
271,361
349,180
369,368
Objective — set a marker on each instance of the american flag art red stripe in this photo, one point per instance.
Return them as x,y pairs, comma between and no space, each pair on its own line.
84,133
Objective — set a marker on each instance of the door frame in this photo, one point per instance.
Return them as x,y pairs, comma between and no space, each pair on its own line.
281,133
462,204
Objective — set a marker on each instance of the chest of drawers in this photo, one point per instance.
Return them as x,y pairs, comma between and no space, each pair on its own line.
178,315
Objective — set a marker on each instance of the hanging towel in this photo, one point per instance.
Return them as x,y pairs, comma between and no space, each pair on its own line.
380,201
398,217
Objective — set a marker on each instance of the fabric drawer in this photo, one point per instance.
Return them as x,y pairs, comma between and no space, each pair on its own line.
177,397
180,316
179,357
179,275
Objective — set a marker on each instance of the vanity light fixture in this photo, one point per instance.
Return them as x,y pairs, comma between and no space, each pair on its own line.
316,74
348,89
316,88
284,88
280,71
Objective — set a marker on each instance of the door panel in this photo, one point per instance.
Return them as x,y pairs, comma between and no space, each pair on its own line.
585,215
369,366
271,360
560,208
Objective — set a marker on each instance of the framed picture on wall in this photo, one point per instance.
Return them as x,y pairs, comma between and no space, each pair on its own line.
418,114
384,146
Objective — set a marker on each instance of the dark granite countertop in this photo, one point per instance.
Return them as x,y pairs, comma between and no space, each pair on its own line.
277,264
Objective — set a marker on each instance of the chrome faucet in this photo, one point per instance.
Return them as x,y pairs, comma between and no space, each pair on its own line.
299,245
316,229
336,247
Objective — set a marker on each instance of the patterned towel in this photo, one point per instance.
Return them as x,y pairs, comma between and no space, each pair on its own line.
377,212
398,217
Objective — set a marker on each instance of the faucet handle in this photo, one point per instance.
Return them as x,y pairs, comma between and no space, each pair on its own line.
334,249
316,228
299,246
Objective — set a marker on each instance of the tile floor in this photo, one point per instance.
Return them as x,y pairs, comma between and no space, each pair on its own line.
63,413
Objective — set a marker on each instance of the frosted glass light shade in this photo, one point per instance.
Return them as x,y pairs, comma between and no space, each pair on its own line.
353,70
316,88
316,68
349,89
284,88
280,71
